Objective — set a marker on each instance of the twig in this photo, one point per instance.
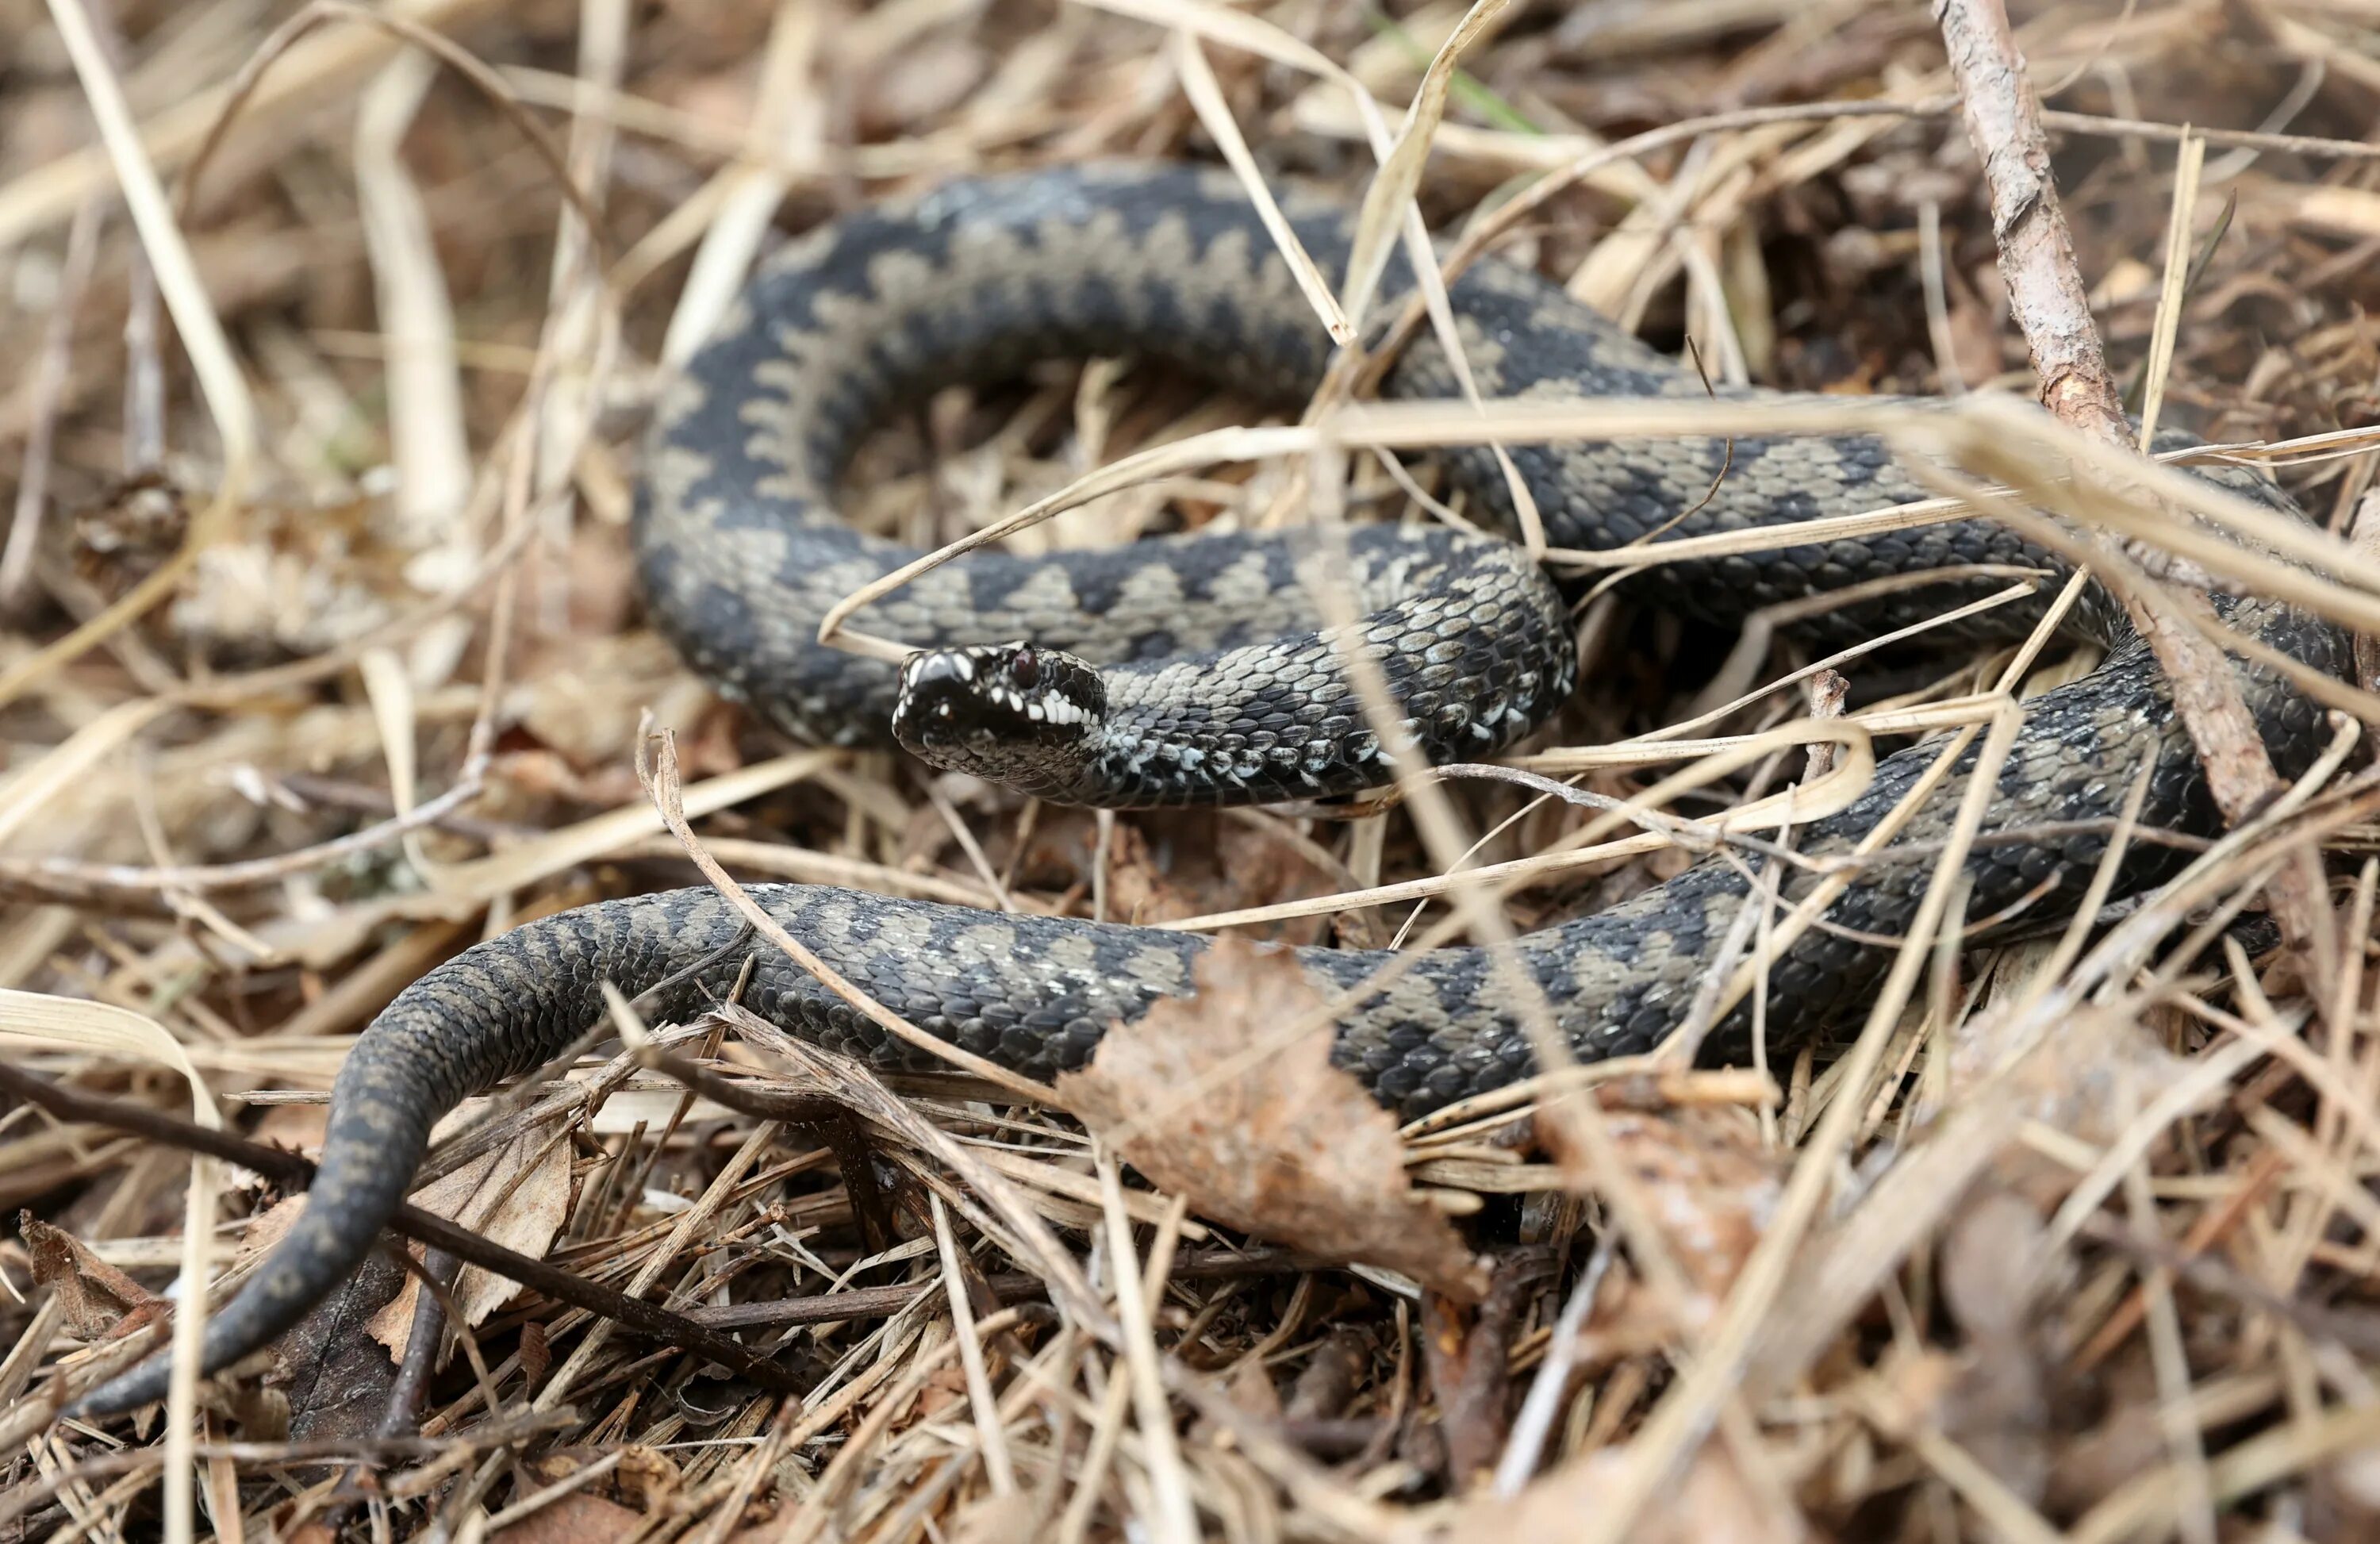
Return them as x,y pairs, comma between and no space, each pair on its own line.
1008,1286
2036,249
2050,305
66,879
292,1172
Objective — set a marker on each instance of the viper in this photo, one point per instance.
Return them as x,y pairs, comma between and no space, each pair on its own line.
1199,669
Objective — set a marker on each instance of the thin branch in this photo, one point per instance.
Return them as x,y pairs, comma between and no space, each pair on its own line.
293,1171
2048,298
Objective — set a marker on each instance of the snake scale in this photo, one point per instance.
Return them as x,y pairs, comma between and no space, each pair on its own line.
1188,670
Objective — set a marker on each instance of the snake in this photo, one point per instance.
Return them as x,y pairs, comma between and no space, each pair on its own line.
1204,668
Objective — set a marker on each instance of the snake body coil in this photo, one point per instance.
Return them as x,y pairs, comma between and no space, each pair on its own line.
740,555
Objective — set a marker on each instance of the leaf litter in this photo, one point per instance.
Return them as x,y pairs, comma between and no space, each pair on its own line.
2094,1259
1228,1098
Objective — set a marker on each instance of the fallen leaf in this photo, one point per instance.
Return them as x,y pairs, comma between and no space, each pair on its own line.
1999,1410
481,1197
1202,1097
578,1518
996,1519
296,1128
1710,1499
270,1226
333,1381
100,1302
1711,1189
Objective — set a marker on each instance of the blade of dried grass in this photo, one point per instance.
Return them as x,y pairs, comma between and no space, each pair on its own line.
51,374
580,1479
817,1513
1176,1520
24,793
2188,165
2312,588
1252,34
2054,1036
993,1441
428,444
688,1224
2208,1075
2005,1512
33,1019
390,691
201,333
247,89
1205,94
1937,303
323,65
1142,1206
80,882
2150,1503
2185,1443
1163,460
1390,192
742,198
2121,576
544,856
1817,605
1998,431
1827,795
1107,1435
807,866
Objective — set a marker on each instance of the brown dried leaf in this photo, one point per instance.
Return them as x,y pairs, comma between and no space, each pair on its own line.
578,1518
1203,1097
1711,1189
996,1519
100,1302
1710,1500
481,1197
1998,1409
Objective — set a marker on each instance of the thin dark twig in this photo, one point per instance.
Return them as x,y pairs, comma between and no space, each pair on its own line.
832,1121
1008,1286
440,1270
294,1172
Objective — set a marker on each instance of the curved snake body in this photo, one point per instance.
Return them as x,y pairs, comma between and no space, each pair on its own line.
740,555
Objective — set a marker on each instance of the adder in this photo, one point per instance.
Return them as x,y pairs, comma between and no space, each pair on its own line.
1195,670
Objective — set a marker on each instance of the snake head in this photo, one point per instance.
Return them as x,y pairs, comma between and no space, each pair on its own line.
1007,712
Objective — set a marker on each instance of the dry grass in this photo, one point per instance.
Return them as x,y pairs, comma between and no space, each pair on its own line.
324,659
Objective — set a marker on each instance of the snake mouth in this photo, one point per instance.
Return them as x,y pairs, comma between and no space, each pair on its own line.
1008,712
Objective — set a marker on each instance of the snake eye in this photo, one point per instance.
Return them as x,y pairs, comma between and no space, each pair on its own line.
1024,669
